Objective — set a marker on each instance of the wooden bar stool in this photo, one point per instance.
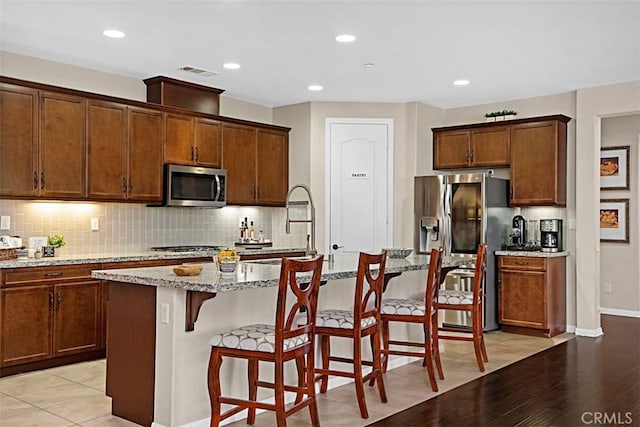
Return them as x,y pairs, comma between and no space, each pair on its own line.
291,338
468,301
362,321
420,311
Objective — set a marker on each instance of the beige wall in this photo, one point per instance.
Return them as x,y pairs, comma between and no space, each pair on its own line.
593,104
79,78
298,118
619,261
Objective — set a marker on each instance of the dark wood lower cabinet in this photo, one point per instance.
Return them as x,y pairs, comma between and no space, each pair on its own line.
532,292
77,323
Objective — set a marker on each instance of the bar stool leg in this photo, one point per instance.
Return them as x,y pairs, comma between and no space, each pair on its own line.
436,346
375,338
311,391
325,345
300,366
357,370
385,345
428,358
215,361
279,396
253,388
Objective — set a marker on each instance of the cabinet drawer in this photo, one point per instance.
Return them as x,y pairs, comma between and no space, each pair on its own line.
523,263
53,274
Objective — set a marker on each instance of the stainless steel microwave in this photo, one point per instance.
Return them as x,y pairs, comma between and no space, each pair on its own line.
195,186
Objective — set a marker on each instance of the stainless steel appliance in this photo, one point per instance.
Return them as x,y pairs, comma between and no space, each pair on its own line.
551,235
518,230
195,186
458,212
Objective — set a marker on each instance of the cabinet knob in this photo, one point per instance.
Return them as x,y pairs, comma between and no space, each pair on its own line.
50,300
124,185
197,154
130,186
42,180
35,180
472,155
58,300
193,156
53,274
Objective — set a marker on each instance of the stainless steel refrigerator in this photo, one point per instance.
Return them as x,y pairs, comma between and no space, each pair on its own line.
458,212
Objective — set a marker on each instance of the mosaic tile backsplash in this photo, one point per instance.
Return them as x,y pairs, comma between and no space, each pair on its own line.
135,227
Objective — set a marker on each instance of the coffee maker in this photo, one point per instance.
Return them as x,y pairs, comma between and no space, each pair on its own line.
518,231
551,235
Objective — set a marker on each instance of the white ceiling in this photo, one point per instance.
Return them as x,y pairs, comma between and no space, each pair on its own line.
508,50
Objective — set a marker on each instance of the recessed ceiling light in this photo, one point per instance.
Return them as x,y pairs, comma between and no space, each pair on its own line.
231,66
461,82
113,33
346,38
369,65
315,88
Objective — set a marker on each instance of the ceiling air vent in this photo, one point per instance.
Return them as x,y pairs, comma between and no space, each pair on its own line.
198,71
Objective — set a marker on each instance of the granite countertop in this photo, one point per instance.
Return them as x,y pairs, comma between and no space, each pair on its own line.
537,254
250,274
129,256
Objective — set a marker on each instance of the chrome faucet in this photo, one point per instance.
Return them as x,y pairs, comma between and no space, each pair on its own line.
310,251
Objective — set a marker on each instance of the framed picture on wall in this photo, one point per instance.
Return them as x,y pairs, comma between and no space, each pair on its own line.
614,168
614,220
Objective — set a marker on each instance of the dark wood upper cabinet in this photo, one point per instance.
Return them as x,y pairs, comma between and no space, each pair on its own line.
535,149
124,153
144,155
62,146
192,141
19,174
177,93
272,167
257,164
539,163
471,148
107,150
239,159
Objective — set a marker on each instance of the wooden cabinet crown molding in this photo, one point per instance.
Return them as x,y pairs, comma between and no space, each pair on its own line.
133,103
560,117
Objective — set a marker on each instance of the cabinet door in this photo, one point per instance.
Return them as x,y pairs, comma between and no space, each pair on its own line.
62,146
77,322
490,146
207,142
144,166
451,149
523,299
273,167
239,159
538,164
178,146
18,141
25,324
107,145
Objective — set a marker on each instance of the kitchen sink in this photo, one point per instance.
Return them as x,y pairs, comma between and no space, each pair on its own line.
277,261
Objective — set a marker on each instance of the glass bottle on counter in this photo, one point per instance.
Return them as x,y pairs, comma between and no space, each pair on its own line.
252,232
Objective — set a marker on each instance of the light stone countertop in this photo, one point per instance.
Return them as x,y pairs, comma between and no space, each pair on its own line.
250,274
536,254
128,256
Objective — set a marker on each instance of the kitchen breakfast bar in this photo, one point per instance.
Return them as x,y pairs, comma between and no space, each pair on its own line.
160,324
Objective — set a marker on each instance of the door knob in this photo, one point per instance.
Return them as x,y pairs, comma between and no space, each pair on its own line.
336,247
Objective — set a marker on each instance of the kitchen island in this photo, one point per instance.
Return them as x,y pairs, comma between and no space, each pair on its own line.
156,365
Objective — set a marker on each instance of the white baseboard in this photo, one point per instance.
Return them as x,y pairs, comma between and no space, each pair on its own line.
591,333
620,312
571,329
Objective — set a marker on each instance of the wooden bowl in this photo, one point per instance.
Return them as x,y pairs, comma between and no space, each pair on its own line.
187,270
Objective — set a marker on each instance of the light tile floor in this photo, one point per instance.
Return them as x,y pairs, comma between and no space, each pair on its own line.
74,395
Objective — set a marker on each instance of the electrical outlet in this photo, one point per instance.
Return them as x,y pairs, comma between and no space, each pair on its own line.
607,288
95,224
5,222
164,313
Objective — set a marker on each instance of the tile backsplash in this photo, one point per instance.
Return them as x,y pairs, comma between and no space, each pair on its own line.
134,227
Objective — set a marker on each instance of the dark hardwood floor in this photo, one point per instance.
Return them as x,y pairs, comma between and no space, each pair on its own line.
584,381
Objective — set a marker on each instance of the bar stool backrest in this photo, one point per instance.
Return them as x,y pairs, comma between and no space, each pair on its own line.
478,278
433,280
306,303
368,298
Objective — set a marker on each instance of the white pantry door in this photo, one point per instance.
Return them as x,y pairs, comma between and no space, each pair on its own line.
359,184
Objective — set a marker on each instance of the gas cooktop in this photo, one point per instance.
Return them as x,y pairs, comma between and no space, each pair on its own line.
188,248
